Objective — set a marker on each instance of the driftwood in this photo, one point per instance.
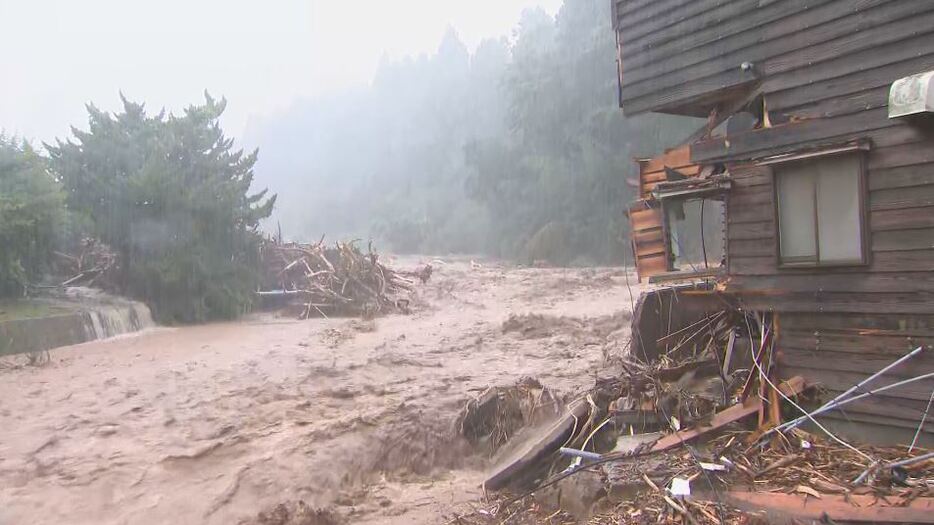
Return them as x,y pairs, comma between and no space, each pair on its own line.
94,265
335,280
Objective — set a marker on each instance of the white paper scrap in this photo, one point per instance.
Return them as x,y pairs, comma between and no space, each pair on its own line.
680,488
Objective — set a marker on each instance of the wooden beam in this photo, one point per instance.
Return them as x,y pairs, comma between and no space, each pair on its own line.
859,509
792,387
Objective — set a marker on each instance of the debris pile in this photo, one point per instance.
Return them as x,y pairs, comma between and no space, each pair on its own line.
704,431
495,416
338,280
95,265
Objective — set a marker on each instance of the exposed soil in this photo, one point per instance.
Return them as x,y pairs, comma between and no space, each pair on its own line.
276,421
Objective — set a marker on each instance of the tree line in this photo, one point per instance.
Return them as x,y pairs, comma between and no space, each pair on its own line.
169,193
518,149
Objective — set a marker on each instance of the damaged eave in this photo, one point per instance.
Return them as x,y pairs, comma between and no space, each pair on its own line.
693,187
785,139
813,152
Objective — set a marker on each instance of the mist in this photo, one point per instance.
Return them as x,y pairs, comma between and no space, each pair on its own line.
261,56
487,127
514,148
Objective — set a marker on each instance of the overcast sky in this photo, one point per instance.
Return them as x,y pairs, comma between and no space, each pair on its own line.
59,54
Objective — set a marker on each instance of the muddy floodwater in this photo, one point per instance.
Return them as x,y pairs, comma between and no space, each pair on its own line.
215,424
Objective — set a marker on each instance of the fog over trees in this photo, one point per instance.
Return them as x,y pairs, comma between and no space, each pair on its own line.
516,150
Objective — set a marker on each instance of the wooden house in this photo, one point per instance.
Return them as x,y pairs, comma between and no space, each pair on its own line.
818,144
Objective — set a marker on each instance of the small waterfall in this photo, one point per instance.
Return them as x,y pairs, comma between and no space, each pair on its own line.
143,316
93,315
117,319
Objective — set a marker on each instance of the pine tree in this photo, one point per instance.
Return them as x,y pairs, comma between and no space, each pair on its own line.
172,195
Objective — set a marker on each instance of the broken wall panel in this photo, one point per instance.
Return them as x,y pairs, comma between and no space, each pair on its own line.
653,171
667,311
648,239
664,245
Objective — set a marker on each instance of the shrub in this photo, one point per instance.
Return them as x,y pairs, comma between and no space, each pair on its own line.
172,196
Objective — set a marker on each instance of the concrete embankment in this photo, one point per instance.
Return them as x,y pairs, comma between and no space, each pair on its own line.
77,318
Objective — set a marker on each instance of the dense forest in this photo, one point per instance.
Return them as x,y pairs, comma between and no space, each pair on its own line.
516,150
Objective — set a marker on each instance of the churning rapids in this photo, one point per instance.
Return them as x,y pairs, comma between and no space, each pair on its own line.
215,424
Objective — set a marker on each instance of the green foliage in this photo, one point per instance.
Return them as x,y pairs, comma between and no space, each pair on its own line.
31,213
569,149
171,194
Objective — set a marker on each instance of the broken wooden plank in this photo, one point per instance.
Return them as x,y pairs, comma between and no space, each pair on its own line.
792,387
674,158
703,368
533,455
859,509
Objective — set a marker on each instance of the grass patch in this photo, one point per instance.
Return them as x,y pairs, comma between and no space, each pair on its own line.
15,309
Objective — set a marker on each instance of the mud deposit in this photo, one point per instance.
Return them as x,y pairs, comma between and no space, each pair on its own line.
275,421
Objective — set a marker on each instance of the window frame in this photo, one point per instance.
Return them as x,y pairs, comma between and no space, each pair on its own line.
666,202
860,150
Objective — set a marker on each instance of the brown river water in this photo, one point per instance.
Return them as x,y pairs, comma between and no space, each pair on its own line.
214,424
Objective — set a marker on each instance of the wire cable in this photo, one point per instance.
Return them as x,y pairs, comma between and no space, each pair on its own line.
924,418
666,415
764,376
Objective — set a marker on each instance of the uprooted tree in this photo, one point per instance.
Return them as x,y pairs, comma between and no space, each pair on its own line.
172,196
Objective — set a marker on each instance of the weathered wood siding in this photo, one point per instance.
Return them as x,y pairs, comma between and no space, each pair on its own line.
839,350
676,53
652,171
648,239
824,68
840,324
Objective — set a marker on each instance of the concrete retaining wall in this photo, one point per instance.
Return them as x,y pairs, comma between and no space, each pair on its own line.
45,333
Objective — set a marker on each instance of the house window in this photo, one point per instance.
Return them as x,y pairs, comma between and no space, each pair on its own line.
820,211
